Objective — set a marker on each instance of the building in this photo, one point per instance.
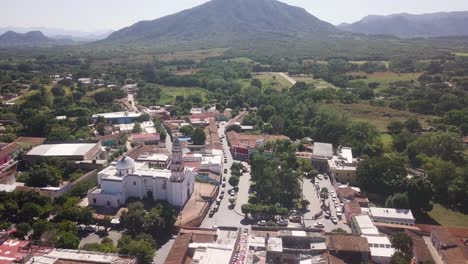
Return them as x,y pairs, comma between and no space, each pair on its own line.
348,248
155,160
381,249
76,151
147,139
118,117
421,253
322,153
205,246
110,140
242,144
212,136
68,256
363,225
451,244
342,167
128,178
391,216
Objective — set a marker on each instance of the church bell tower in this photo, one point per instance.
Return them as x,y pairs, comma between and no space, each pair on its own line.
177,162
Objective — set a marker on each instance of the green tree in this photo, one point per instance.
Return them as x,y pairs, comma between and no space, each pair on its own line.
68,240
186,130
400,258
420,194
137,128
384,175
324,193
22,230
395,127
398,200
199,136
402,242
141,248
234,181
134,219
412,125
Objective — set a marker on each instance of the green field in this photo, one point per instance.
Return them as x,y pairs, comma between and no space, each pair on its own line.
387,142
380,117
272,80
318,83
384,78
447,217
168,93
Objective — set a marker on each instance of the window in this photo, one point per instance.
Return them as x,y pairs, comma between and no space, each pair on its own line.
108,203
134,183
94,200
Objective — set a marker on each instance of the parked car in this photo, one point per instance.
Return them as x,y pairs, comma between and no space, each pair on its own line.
215,208
225,160
319,176
262,223
283,222
319,225
211,213
339,215
325,177
295,218
334,220
225,171
90,228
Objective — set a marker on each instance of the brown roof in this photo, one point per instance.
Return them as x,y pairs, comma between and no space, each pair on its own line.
248,140
134,153
348,243
10,148
30,140
212,136
346,192
108,137
456,251
353,207
179,249
421,252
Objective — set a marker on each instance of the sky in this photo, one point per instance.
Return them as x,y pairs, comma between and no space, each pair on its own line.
96,15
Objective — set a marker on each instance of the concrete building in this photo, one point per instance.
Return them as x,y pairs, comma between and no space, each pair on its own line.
381,249
322,153
391,216
242,144
118,117
77,151
128,178
62,256
342,167
348,248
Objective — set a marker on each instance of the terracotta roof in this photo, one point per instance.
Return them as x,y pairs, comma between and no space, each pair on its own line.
353,207
134,153
346,192
212,137
456,251
108,137
348,243
420,249
10,148
30,140
152,136
179,249
248,140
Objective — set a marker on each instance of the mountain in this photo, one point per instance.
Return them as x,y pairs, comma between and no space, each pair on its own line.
409,26
29,39
59,33
225,22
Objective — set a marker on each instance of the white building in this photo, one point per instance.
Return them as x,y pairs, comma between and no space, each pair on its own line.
381,249
391,216
128,178
342,167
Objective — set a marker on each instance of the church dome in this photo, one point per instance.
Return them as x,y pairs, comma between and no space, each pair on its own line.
125,164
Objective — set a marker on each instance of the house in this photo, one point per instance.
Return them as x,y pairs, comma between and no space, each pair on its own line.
118,117
421,253
342,167
322,153
127,178
68,256
110,140
451,244
8,154
76,151
242,144
147,139
392,216
349,248
381,249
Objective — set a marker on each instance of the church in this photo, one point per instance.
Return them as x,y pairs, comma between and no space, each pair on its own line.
128,178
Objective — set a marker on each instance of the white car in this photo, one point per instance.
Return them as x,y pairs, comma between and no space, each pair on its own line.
319,176
319,225
262,223
334,220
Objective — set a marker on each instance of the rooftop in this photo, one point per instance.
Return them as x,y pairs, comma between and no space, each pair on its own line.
349,243
391,213
66,149
118,115
380,246
79,256
365,224
323,149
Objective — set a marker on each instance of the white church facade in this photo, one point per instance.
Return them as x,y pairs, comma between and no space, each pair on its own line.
127,178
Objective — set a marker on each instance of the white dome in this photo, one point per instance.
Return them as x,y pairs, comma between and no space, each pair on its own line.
125,164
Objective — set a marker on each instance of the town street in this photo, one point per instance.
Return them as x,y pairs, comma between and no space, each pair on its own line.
225,215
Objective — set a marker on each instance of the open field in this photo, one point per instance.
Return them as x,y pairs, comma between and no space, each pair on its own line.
168,93
385,78
461,54
273,80
378,116
241,60
387,142
447,217
318,83
196,55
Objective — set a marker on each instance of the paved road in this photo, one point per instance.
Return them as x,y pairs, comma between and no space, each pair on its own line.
311,194
226,215
289,79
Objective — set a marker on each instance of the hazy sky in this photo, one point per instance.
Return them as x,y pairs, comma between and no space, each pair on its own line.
91,15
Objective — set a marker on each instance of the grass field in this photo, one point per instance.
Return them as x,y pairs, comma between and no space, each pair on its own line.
272,80
168,93
387,142
447,217
385,78
378,116
318,83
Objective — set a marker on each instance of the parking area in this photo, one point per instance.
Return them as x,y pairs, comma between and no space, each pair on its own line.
97,237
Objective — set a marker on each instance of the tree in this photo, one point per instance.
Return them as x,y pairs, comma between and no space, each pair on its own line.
400,258
134,219
234,181
398,200
324,193
68,240
106,246
141,247
395,127
412,125
420,194
186,130
304,204
339,230
22,230
402,242
137,128
256,82
277,124
199,136
363,138
383,175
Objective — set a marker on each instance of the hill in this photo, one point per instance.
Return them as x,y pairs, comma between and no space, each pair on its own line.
29,39
224,22
410,26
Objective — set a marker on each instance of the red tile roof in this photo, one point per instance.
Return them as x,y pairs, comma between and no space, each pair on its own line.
348,243
9,149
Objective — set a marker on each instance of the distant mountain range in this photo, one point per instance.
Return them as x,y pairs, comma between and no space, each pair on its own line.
58,33
225,22
29,39
411,26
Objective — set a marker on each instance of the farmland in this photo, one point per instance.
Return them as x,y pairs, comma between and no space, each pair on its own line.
384,78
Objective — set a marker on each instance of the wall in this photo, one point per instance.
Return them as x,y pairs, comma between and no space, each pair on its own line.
92,175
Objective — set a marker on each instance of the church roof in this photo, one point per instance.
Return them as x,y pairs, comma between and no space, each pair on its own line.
125,163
